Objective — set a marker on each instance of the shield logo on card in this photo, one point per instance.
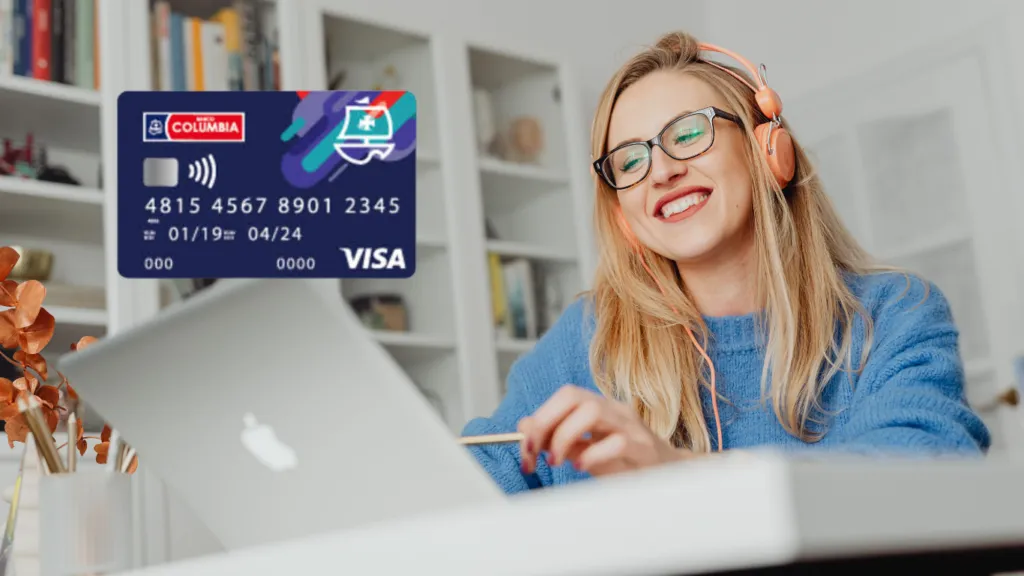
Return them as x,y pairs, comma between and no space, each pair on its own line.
154,127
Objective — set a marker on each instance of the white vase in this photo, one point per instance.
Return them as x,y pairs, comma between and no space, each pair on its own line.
87,519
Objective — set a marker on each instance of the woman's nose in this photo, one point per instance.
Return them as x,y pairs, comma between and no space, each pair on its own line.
665,170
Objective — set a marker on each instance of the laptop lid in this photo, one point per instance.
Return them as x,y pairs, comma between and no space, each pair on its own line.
268,409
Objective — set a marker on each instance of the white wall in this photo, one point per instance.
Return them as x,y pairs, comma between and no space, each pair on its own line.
593,36
808,44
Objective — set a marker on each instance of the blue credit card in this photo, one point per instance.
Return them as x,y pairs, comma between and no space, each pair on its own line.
266,184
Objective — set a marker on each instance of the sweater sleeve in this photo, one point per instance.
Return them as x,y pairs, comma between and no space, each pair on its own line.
552,363
910,398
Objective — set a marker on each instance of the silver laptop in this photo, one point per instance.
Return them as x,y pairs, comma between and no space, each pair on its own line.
268,409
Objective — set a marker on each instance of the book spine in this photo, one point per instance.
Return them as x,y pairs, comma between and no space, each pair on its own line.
7,41
56,40
23,36
83,44
70,32
177,30
250,41
41,39
215,57
162,10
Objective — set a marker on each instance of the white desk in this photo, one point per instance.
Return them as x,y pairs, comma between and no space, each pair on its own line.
716,515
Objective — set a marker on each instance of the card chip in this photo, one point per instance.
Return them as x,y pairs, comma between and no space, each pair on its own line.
160,172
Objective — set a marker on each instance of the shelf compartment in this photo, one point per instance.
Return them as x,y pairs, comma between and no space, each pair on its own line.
427,294
60,211
435,372
518,88
521,213
52,112
74,263
540,289
366,56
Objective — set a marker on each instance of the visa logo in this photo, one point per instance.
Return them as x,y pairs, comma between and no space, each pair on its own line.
193,127
374,258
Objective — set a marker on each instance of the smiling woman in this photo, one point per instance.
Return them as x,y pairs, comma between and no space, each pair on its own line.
731,307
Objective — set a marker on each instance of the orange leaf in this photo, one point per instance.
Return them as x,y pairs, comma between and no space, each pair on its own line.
8,258
16,430
83,445
33,361
8,333
49,394
83,342
30,296
52,419
7,291
6,390
73,396
9,412
134,465
35,337
102,449
105,434
21,384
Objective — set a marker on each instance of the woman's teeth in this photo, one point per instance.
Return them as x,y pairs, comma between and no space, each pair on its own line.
681,204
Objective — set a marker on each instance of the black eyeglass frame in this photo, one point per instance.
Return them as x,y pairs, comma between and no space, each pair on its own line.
710,113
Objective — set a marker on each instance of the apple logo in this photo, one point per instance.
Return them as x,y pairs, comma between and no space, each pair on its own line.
262,442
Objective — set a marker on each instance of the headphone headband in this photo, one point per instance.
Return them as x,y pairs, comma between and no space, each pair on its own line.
756,72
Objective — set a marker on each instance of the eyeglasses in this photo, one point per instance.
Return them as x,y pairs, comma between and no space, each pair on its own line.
685,137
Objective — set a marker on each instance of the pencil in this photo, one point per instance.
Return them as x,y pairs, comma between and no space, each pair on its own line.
72,442
492,438
37,426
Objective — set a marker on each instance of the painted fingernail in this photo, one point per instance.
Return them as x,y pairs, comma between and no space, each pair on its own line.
529,446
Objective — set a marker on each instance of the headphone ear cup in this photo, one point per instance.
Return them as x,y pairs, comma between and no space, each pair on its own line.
779,152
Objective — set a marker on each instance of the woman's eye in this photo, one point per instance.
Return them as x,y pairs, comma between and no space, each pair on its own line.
631,163
688,136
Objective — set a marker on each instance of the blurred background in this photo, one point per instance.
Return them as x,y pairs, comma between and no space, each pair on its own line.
910,108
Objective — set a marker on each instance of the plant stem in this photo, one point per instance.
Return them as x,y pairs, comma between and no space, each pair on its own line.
11,296
83,438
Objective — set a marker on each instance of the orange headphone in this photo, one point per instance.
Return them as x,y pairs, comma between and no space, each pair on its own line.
778,150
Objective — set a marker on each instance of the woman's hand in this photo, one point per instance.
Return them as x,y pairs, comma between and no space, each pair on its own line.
596,434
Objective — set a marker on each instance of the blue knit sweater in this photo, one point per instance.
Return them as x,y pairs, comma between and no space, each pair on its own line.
909,397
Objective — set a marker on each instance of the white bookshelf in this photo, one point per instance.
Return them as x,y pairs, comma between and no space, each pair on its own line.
451,348
66,220
451,351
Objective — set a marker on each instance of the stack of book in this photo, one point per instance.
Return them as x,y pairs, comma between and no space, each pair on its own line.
235,49
525,298
51,40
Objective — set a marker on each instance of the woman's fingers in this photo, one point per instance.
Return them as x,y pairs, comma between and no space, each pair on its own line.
538,428
605,456
594,417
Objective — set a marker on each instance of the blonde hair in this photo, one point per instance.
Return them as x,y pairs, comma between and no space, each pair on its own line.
640,352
